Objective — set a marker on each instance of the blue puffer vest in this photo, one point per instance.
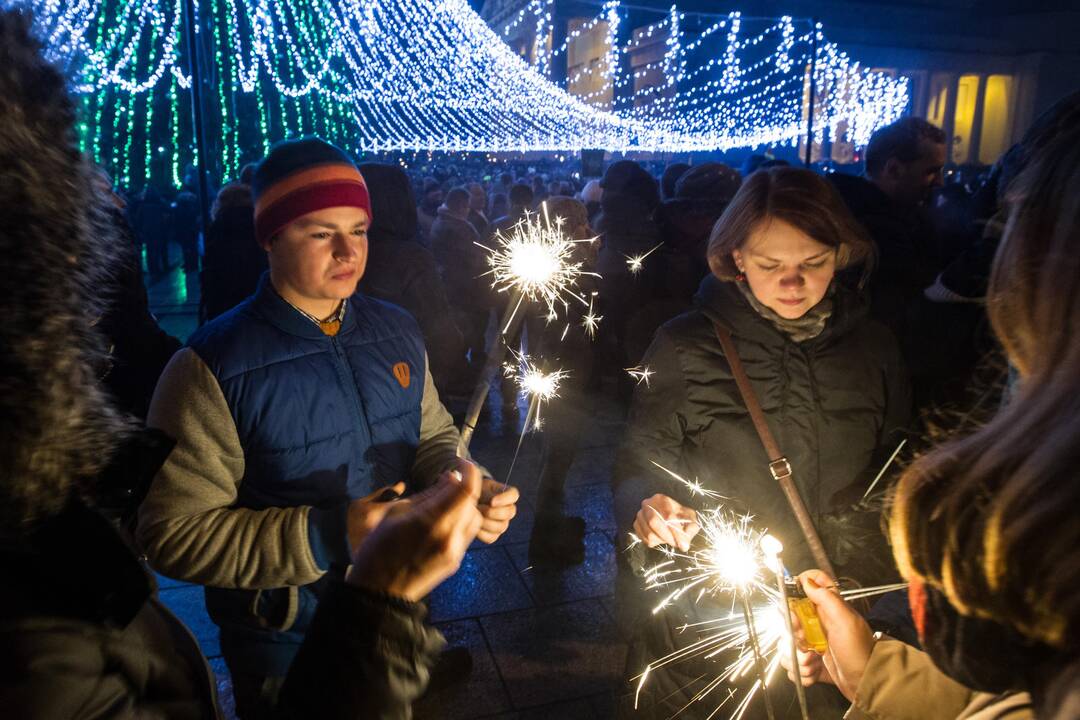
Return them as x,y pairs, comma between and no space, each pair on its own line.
321,420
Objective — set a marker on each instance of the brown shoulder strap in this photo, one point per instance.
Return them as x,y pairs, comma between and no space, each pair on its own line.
779,467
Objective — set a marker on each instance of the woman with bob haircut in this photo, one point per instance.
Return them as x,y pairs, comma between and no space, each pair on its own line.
830,381
985,528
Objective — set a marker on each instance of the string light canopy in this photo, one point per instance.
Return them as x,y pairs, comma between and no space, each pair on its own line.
378,76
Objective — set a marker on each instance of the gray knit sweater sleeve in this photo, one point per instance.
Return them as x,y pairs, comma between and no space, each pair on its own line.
188,526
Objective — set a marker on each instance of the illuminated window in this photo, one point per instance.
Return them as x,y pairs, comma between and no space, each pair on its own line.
939,97
967,89
997,118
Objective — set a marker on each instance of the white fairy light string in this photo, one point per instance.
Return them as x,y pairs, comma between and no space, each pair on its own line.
431,76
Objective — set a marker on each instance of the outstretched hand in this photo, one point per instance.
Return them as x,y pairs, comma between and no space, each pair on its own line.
422,541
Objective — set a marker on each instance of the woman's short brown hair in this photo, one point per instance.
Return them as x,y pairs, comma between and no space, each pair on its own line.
796,196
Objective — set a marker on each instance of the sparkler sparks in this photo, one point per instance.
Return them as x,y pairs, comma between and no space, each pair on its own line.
694,486
536,262
534,384
725,575
590,321
641,373
634,262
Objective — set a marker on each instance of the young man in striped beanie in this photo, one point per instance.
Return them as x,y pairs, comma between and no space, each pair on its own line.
297,414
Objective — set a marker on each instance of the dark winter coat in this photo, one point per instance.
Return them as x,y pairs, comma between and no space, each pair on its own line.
834,404
234,262
138,349
402,271
86,637
461,261
907,257
676,269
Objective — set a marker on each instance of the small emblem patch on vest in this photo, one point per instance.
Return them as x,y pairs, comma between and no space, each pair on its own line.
401,373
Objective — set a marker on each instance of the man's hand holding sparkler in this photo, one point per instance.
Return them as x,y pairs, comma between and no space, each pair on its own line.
850,639
419,542
663,521
497,505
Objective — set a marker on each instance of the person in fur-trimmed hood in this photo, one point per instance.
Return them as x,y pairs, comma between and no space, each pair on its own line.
83,633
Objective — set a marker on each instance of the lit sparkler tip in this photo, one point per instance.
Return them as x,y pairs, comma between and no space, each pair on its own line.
641,373
591,320
536,260
534,384
771,546
635,262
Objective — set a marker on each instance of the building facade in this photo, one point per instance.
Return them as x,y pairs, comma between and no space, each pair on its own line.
982,70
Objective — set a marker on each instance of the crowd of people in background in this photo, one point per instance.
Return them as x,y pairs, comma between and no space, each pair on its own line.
858,306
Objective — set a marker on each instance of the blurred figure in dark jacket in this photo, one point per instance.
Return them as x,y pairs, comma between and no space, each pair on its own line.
234,262
685,221
431,196
627,231
903,167
521,199
150,224
184,223
671,175
478,208
500,205
137,348
462,262
402,271
557,538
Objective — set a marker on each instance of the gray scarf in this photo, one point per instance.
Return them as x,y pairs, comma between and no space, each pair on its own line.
800,329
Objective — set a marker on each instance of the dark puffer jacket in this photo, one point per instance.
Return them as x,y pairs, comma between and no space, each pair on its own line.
86,637
833,403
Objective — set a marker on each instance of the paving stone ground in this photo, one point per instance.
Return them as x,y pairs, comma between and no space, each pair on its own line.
543,642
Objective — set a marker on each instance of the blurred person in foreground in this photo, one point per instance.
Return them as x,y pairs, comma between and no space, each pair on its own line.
984,528
83,632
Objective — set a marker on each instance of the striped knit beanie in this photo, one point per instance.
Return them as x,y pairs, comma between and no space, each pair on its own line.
302,176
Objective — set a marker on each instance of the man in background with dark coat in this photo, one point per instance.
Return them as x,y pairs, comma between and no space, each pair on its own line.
462,262
402,271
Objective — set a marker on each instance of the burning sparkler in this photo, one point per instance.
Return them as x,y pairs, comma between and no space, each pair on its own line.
641,373
534,385
534,262
538,387
634,262
725,573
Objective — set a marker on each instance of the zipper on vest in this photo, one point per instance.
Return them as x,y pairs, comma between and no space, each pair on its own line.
349,381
